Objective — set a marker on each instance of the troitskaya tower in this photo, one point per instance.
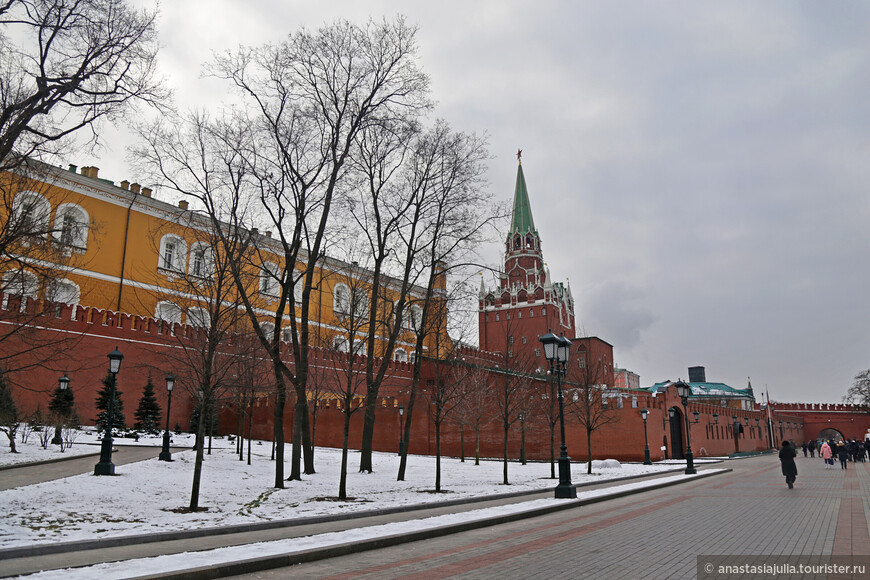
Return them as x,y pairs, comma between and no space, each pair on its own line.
527,303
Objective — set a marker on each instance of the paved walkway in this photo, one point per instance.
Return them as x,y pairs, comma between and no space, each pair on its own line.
28,474
657,534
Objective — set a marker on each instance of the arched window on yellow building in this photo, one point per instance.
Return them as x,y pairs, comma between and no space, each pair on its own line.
71,226
173,253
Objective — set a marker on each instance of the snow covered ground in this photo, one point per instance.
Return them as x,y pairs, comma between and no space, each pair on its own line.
204,558
149,496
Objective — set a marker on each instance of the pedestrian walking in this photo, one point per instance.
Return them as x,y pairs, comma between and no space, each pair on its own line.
789,468
804,448
826,453
843,450
812,447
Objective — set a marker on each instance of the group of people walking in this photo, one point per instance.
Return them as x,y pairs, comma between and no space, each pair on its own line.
846,451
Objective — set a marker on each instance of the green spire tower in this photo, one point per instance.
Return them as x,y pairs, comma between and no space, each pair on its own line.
522,222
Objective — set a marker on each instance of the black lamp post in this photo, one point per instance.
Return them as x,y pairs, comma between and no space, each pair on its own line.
62,385
165,455
556,350
105,466
684,391
646,460
401,428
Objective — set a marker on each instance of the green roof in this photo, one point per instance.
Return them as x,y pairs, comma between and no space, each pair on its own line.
714,390
522,222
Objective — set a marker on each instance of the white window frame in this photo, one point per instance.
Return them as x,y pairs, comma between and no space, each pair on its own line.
207,266
400,355
269,275
415,317
198,317
27,284
78,237
178,258
161,314
55,287
41,208
340,343
341,299
268,329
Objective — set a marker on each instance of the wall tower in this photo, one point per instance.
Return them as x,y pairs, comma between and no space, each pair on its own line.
526,303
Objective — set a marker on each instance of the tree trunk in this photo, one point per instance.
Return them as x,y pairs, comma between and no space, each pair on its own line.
10,434
409,414
280,401
342,481
296,449
505,479
477,445
462,443
240,431
250,426
589,450
368,434
437,456
197,464
307,445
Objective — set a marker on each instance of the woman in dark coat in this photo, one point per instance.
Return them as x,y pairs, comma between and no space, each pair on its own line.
789,469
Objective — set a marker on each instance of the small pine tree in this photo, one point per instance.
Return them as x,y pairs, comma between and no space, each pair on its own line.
148,413
62,402
118,421
10,420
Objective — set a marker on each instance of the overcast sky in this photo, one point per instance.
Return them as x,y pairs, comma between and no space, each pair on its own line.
699,171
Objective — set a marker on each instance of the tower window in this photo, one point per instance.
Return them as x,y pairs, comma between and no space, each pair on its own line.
530,242
531,312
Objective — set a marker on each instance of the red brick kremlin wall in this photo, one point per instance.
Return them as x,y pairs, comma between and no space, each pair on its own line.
76,340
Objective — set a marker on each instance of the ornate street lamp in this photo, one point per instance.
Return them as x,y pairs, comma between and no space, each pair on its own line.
62,385
105,466
684,391
165,455
401,428
646,459
556,351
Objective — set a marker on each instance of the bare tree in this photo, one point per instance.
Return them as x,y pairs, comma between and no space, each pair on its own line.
310,97
203,293
347,356
512,386
450,218
859,392
474,407
78,62
445,390
586,393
